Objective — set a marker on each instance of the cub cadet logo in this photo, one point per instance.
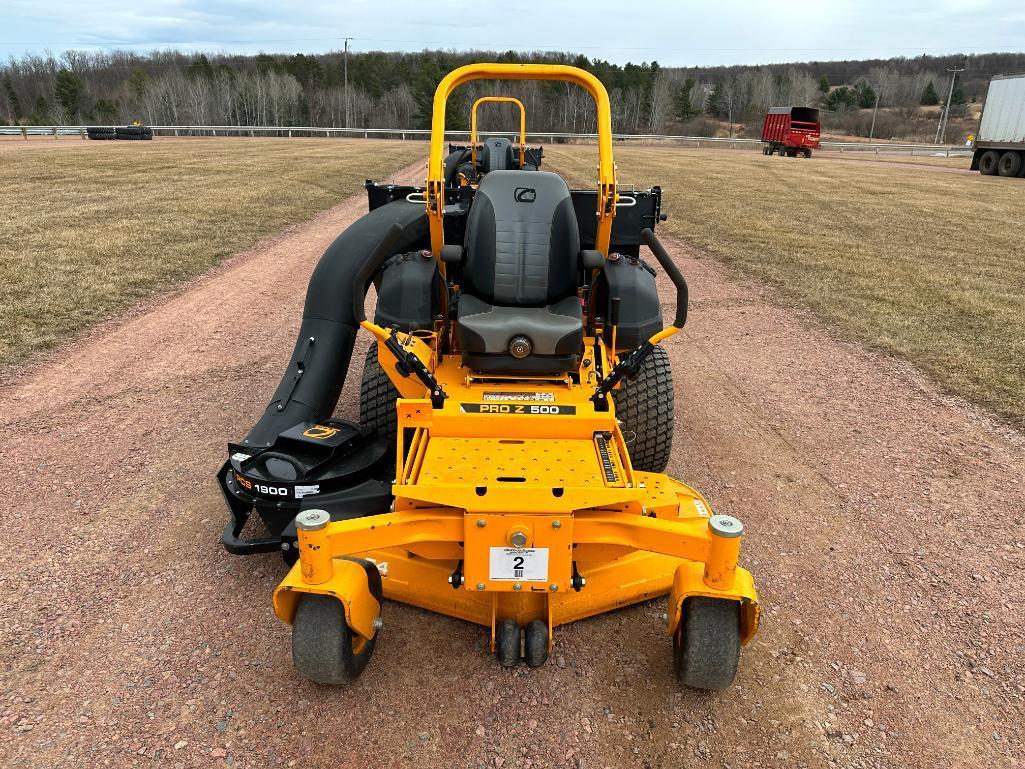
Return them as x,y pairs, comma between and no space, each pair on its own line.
320,432
525,195
516,408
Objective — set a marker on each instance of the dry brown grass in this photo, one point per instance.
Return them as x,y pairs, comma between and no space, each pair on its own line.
962,162
926,265
90,227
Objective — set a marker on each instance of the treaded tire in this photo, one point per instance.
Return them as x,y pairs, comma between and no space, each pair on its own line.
535,643
706,650
644,408
507,643
322,644
377,396
988,162
1010,164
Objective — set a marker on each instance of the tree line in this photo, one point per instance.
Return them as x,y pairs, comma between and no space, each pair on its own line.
395,90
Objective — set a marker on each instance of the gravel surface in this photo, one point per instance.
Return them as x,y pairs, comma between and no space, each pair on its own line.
885,529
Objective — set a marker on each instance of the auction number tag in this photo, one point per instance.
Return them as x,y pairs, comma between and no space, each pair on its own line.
519,564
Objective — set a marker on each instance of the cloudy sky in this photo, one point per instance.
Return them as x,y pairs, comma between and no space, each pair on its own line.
675,33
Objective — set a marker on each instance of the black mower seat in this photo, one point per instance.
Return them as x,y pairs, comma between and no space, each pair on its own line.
497,155
519,311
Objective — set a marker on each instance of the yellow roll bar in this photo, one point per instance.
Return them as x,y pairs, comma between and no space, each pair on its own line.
436,164
473,124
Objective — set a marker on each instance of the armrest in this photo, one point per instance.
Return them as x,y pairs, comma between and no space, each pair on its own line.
592,260
451,254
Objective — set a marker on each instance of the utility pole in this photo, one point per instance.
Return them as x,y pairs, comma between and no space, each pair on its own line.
345,70
941,129
875,111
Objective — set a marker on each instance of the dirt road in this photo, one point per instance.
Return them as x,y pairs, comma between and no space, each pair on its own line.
885,532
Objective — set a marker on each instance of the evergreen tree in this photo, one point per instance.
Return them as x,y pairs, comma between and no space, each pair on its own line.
715,100
67,90
841,99
12,99
958,96
823,84
200,67
929,96
41,112
683,109
105,112
137,82
866,96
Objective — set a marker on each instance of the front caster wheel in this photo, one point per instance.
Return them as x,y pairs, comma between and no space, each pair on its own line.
324,649
535,643
706,648
507,643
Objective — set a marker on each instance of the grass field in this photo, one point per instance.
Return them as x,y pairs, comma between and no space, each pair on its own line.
927,265
91,227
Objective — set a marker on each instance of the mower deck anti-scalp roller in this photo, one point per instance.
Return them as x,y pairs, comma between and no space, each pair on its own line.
516,420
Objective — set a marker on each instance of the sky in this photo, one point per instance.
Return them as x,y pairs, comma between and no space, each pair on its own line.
687,33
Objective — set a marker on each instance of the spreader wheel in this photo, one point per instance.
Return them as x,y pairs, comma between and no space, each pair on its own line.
535,643
324,649
706,648
507,643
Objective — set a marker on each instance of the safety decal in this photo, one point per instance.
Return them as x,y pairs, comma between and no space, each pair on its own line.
538,396
307,491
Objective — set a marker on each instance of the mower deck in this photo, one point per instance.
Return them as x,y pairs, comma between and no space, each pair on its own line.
493,520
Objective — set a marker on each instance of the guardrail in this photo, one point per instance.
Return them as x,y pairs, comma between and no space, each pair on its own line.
415,133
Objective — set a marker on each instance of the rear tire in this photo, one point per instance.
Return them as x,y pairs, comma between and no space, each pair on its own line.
706,649
1010,163
807,154
324,649
988,162
644,408
377,396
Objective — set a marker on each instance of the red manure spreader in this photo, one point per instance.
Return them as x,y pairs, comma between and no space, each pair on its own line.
791,131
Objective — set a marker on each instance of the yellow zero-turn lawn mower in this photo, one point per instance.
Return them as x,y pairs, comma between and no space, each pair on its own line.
516,418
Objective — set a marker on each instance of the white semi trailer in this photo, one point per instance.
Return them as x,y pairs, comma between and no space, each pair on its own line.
1000,143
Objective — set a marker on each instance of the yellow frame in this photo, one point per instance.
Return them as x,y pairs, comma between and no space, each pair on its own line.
435,194
497,100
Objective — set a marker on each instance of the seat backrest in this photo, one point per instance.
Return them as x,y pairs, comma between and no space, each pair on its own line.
497,155
522,244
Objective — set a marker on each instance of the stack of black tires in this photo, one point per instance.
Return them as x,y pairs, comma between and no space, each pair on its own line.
134,132
129,132
100,132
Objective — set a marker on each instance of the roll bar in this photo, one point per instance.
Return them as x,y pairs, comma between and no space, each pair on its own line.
436,164
473,124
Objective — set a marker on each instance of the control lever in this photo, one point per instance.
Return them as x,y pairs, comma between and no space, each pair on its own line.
406,363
